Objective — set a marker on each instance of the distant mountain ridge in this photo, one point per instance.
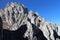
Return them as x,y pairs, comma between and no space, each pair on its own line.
16,15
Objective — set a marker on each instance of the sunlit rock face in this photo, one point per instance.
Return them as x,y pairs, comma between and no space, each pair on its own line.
16,23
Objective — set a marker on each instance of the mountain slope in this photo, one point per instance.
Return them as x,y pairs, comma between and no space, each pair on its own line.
16,15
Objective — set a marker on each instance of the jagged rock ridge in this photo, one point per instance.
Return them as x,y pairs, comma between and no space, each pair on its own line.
15,16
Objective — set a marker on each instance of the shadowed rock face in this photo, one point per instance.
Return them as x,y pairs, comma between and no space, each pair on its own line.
12,35
16,23
1,23
56,35
38,33
19,33
15,35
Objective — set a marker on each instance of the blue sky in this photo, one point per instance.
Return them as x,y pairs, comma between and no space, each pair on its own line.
49,9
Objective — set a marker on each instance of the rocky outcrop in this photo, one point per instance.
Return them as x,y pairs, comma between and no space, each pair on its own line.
16,23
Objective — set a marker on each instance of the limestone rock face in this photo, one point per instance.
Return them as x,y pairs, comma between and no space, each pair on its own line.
15,15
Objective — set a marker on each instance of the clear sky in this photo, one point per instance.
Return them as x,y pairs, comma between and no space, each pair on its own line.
49,9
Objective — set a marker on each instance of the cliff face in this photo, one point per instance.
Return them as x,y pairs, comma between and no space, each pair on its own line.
17,20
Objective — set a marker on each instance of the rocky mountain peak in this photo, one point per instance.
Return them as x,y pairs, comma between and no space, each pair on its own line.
13,14
16,15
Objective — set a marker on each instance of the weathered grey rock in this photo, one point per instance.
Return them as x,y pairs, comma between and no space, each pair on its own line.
13,15
16,15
